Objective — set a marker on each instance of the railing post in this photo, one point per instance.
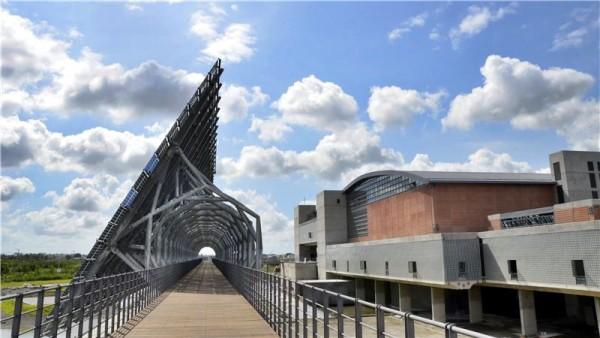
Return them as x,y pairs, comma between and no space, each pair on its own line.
325,314
37,329
297,309
409,327
94,286
100,303
357,318
340,315
16,322
56,312
81,313
448,331
69,322
380,318
315,308
304,313
283,318
290,300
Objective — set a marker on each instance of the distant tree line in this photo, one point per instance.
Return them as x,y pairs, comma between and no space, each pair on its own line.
34,267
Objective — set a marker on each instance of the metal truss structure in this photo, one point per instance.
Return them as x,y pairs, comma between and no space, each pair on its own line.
174,209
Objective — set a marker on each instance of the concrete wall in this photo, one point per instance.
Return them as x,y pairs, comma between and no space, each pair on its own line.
543,255
307,232
301,214
437,258
299,271
331,210
575,179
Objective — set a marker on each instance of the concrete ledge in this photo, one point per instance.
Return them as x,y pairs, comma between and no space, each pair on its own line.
411,239
542,229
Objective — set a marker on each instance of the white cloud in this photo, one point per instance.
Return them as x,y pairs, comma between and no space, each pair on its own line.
234,7
134,7
233,43
11,187
531,98
335,153
90,151
584,22
434,34
277,228
39,74
318,104
237,100
73,33
476,21
393,106
406,26
85,205
270,129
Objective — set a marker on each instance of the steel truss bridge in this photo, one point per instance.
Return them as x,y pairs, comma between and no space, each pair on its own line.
143,276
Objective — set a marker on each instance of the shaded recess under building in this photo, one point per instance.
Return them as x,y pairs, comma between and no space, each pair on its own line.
465,246
174,209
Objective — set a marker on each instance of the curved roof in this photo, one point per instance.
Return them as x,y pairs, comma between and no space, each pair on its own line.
459,177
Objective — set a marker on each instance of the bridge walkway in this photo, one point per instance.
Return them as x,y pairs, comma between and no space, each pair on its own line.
203,304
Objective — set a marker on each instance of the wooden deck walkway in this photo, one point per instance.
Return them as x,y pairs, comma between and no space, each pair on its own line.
203,304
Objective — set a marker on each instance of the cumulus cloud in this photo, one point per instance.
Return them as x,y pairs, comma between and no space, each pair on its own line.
476,21
393,106
317,104
233,43
334,154
84,205
270,129
92,150
407,26
237,100
276,226
10,187
531,98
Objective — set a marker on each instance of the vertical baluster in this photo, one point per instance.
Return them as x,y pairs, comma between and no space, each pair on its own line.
325,314
39,313
16,322
297,309
409,327
357,318
340,315
69,322
93,289
283,316
290,300
304,312
315,308
380,321
56,312
100,303
81,305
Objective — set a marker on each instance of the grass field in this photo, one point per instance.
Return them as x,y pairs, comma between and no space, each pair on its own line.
8,308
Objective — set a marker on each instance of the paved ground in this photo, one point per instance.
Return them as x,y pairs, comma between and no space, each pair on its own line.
203,304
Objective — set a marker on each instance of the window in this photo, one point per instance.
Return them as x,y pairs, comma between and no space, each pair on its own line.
347,266
560,194
334,264
590,166
578,271
412,267
592,180
512,269
462,269
309,234
387,268
598,165
363,266
556,168
594,194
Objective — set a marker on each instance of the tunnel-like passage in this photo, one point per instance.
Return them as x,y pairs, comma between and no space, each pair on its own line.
174,209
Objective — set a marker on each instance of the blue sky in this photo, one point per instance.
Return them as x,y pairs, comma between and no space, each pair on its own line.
314,95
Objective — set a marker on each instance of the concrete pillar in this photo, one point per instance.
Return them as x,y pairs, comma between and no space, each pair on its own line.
438,304
597,305
572,306
527,313
379,292
405,302
475,309
360,288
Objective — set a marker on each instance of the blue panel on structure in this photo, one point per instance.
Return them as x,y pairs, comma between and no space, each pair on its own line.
129,199
151,165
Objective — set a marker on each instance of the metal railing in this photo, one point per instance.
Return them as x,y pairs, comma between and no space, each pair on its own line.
295,309
93,308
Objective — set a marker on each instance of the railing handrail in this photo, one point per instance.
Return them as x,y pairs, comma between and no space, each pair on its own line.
263,279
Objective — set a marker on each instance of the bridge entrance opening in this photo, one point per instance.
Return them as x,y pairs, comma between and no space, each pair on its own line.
207,252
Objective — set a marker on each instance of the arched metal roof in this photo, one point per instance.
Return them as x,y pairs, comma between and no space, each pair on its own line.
458,177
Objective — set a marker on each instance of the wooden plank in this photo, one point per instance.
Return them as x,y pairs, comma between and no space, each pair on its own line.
203,304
